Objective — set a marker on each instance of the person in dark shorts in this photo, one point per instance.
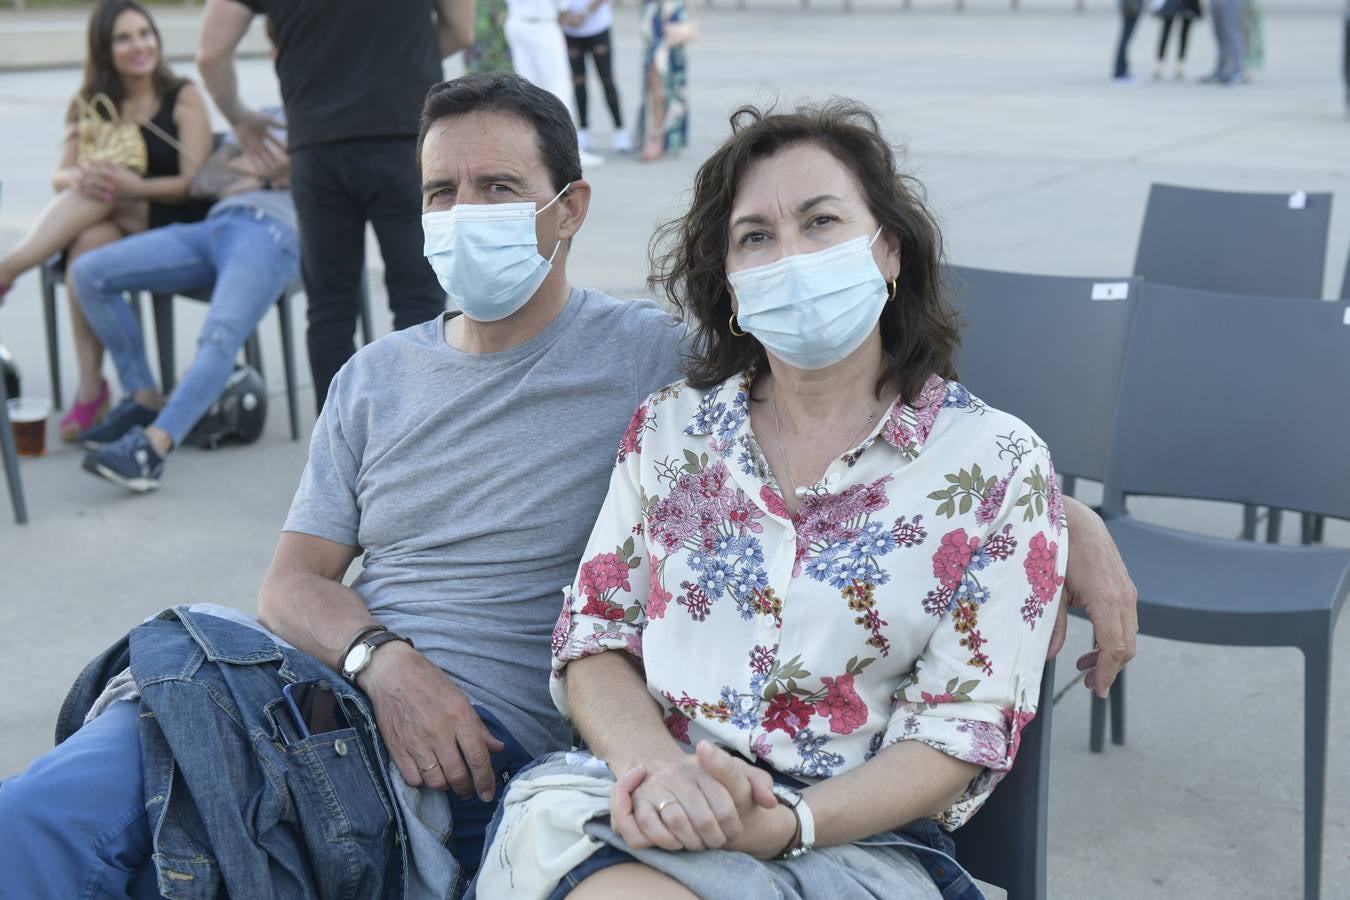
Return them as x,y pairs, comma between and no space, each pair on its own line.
352,84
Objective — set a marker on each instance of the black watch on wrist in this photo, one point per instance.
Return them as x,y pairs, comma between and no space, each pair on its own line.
360,655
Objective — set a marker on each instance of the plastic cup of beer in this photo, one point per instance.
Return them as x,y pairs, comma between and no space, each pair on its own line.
29,415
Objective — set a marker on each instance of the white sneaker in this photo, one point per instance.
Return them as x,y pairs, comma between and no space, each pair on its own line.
622,142
590,160
584,139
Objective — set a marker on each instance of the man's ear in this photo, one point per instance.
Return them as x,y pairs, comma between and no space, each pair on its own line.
575,204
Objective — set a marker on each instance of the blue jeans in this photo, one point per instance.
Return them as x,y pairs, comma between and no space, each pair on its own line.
249,257
75,820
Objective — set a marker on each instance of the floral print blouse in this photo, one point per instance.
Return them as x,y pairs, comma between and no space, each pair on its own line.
911,597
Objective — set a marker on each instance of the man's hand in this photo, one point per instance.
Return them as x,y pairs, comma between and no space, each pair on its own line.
680,803
430,727
256,139
1097,582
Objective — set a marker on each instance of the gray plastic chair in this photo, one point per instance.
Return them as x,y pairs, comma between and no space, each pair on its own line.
1005,842
10,451
1039,347
1234,242
1204,374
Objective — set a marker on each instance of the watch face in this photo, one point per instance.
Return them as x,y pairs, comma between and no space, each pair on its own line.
356,660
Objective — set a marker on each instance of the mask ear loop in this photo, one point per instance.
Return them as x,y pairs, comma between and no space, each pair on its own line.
550,203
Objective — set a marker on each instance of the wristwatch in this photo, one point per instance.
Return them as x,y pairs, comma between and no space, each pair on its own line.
361,653
805,839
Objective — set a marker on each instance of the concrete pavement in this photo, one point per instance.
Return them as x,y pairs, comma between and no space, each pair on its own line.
1033,161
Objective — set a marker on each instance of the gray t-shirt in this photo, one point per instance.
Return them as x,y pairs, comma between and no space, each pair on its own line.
471,481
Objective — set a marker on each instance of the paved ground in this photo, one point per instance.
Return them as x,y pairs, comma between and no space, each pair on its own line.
1033,161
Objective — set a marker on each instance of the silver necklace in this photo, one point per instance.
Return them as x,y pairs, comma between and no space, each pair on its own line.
782,450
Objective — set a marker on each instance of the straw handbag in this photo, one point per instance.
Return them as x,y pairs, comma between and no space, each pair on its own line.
106,136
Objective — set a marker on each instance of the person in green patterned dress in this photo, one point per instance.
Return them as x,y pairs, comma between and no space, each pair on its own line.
489,52
663,122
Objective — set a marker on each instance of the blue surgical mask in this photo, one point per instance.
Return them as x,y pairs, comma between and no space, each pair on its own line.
813,309
486,255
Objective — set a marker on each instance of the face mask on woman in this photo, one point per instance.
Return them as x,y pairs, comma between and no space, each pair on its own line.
486,255
813,309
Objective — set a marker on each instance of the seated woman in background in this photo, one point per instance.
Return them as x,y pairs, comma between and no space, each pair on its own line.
120,188
823,565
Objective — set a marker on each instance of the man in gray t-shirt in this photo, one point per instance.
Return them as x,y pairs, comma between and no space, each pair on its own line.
467,458
472,480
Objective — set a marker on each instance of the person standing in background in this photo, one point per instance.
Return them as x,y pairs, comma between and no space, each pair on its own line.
587,28
1129,17
663,120
1227,16
353,78
1253,38
539,53
1170,10
489,51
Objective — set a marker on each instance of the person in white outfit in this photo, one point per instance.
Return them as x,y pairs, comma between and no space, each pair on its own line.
539,52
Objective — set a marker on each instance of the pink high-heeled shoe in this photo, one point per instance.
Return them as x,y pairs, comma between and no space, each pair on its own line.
83,416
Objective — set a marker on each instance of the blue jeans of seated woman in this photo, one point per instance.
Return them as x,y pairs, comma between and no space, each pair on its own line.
248,256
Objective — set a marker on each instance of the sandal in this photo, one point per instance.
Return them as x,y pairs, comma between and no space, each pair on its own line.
83,416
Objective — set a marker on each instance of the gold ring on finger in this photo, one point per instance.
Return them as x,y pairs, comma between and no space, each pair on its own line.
661,807
433,765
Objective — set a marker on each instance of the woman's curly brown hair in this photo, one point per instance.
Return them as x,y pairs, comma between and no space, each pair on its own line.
919,330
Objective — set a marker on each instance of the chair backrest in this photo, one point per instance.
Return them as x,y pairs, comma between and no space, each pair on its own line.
1266,244
1230,397
1005,842
1040,347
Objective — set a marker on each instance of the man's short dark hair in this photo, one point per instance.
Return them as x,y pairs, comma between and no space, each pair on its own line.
506,92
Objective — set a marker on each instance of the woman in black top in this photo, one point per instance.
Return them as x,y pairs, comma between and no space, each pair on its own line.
100,202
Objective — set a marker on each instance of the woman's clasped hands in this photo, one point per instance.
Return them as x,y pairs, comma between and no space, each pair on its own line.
705,800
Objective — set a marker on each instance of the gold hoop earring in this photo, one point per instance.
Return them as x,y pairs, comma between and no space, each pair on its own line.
891,295
731,323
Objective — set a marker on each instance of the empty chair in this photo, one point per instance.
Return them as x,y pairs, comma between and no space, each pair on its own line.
1042,348
1263,244
1207,411
1271,245
1005,842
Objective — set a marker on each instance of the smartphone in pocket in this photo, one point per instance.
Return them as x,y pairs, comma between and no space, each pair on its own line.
314,707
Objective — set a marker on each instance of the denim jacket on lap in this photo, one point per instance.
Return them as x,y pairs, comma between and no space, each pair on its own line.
233,811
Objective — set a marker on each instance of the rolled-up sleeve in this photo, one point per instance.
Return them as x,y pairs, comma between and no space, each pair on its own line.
605,608
996,590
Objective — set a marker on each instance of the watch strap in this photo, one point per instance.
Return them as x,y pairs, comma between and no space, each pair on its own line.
362,633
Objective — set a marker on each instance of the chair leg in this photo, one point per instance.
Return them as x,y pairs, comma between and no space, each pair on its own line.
53,348
11,454
1320,529
288,363
162,304
253,352
1097,728
1117,699
1316,705
1273,525
1070,482
1248,522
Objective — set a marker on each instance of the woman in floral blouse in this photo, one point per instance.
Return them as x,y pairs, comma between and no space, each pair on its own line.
822,561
